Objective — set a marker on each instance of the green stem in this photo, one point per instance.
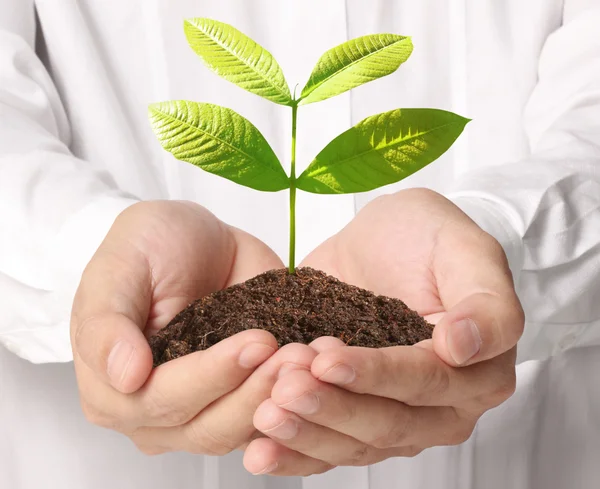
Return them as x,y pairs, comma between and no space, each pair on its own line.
292,261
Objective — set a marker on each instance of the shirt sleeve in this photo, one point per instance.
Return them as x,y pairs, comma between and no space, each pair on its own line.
55,209
545,210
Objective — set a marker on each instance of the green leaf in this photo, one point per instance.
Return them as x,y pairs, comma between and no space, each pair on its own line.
237,58
355,63
382,149
219,141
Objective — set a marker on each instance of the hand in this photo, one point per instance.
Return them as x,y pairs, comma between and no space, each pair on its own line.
359,406
156,259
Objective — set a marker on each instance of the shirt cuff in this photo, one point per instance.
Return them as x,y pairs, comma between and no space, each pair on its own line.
496,219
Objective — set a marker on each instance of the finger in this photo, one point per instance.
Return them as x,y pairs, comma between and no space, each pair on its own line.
480,327
317,441
307,438
326,343
129,284
376,421
189,251
154,441
233,414
177,390
111,303
310,439
417,376
267,457
227,423
252,257
484,316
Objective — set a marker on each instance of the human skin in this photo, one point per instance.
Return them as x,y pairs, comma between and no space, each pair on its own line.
157,258
416,245
359,406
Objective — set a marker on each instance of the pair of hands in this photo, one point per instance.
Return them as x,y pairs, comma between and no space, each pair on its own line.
300,409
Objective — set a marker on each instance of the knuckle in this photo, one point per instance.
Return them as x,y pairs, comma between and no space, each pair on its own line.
412,452
389,440
502,390
324,468
462,434
205,442
505,389
359,457
395,434
510,325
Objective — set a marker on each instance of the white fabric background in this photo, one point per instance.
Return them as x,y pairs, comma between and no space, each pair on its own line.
76,148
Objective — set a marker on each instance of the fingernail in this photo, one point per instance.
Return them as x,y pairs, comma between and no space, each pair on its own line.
118,362
254,354
285,430
307,403
288,367
340,374
267,470
463,340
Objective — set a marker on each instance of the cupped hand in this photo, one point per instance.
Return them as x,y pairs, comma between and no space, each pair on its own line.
359,406
156,259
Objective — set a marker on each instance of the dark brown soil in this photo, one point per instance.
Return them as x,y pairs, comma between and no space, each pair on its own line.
294,308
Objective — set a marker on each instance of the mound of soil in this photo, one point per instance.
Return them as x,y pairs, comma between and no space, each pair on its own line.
294,308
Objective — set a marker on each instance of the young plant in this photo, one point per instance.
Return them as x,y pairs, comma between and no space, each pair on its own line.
380,150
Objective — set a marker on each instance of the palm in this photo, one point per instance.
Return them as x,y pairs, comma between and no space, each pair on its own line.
389,248
185,253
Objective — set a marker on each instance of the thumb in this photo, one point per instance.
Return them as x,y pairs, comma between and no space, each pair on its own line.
480,327
109,313
484,317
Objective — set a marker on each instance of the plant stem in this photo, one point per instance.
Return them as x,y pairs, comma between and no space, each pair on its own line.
292,260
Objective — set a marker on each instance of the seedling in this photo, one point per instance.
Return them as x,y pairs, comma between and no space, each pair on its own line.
380,150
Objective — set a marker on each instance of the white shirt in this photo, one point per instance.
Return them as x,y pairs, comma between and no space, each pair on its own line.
76,149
